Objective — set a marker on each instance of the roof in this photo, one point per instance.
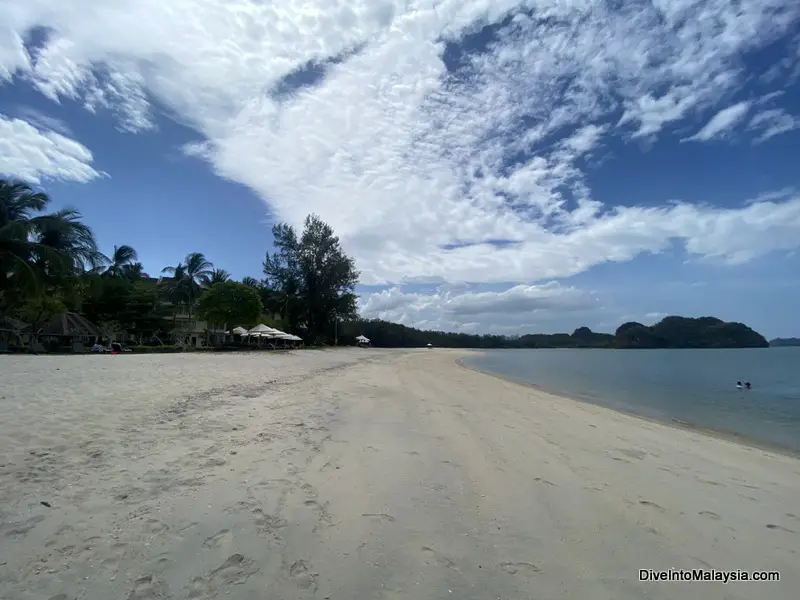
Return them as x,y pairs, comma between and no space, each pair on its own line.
11,324
69,324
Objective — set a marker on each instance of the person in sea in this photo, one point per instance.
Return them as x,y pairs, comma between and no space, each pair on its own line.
747,385
738,385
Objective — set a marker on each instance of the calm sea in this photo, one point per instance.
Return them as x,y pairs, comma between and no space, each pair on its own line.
694,386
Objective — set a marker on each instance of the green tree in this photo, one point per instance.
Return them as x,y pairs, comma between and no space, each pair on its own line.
230,303
218,276
39,310
188,280
144,315
39,253
123,256
104,301
133,272
251,281
311,277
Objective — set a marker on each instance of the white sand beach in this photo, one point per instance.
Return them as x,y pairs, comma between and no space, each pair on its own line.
362,474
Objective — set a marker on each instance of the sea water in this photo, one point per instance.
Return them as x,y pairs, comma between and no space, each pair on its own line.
695,387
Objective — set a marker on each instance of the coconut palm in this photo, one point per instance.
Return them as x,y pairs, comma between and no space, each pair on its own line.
251,281
37,251
188,279
133,271
218,276
122,257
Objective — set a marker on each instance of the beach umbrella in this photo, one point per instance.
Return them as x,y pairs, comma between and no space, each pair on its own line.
239,331
260,329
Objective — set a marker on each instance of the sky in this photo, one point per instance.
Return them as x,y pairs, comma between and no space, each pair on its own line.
493,166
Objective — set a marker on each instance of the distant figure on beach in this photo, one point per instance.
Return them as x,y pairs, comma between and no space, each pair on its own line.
738,385
747,385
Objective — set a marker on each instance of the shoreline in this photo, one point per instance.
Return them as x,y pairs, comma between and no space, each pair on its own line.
721,434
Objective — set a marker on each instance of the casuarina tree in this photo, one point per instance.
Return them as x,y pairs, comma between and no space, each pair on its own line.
311,277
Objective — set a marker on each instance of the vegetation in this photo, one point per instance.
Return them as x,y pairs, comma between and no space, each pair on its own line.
682,332
311,281
778,342
230,302
671,332
50,264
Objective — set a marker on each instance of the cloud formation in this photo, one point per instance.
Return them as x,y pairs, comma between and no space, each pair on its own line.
772,122
470,310
442,139
722,122
33,154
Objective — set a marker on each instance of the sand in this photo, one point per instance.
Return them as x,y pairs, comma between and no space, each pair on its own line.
361,474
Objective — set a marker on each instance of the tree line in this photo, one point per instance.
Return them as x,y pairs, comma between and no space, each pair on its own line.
50,263
670,332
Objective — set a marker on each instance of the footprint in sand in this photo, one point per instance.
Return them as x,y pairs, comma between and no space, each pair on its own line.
652,505
218,539
633,453
512,568
24,527
321,512
148,588
439,559
381,516
786,529
300,571
268,524
234,571
540,480
709,514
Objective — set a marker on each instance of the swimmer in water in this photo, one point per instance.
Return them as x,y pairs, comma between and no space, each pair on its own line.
738,385
747,385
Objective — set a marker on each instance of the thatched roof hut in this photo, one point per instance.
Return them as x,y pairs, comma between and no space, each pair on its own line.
70,324
11,324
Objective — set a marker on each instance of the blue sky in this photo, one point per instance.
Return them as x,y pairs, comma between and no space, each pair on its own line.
504,166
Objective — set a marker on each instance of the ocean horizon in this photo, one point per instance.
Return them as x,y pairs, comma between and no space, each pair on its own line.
695,387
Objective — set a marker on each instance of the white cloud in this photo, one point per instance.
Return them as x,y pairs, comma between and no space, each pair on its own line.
772,122
721,123
418,169
461,310
32,154
41,120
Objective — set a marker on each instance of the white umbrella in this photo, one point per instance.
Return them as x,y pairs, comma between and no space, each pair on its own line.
362,339
239,331
261,329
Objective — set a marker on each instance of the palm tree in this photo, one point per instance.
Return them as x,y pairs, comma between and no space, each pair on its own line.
39,252
188,279
251,281
133,271
122,257
218,276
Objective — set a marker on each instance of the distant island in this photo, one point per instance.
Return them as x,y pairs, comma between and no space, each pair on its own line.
670,332
778,342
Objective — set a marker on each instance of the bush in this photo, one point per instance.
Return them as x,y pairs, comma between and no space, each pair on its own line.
154,349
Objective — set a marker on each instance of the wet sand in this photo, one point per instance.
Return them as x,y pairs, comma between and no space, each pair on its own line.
356,474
